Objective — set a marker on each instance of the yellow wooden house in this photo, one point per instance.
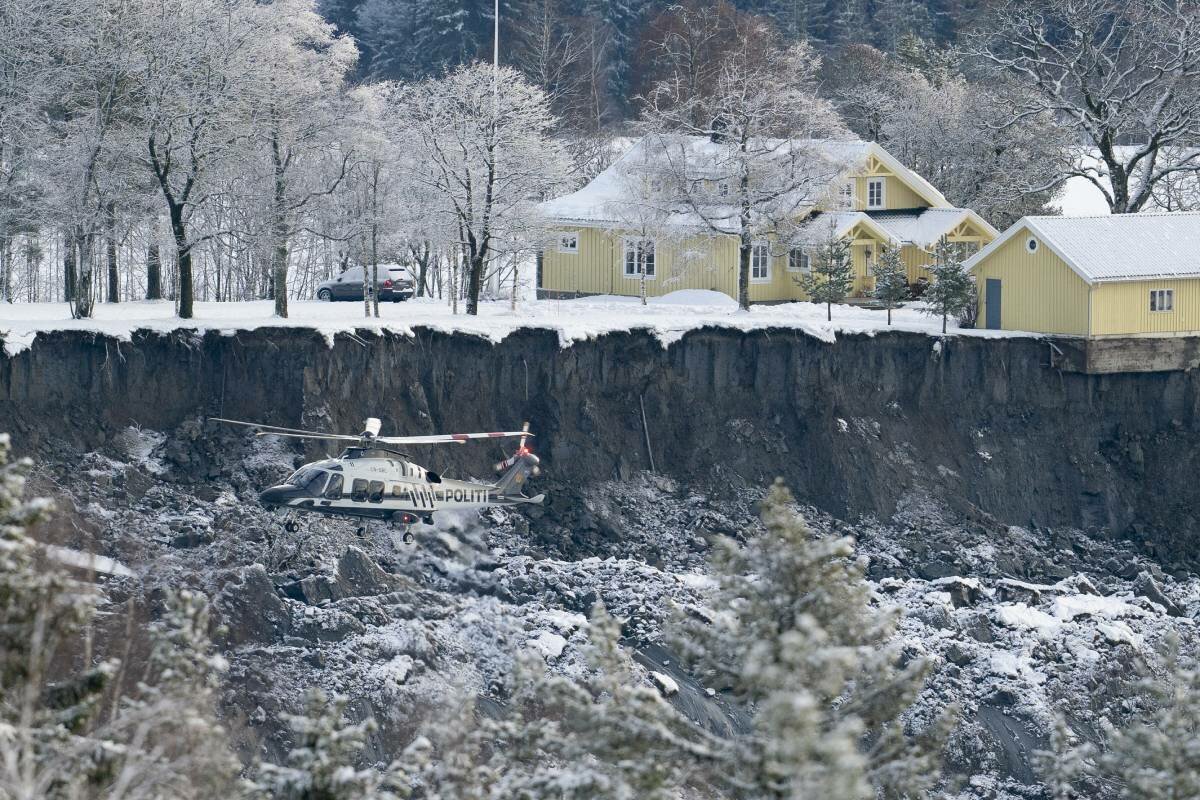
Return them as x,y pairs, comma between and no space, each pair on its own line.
1125,275
874,201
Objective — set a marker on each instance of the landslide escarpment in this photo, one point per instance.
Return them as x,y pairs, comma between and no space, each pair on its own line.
984,425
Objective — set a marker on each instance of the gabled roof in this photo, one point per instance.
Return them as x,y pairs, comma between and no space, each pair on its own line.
1119,247
816,228
923,227
598,202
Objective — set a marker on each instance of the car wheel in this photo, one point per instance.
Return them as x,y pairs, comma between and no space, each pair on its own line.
325,295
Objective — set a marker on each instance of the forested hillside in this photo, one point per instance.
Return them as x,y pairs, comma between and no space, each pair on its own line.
609,40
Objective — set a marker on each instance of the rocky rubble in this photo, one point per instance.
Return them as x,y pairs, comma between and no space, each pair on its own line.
1019,624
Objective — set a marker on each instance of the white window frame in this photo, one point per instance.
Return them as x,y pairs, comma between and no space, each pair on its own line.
764,249
871,184
562,243
848,194
629,248
1162,301
805,267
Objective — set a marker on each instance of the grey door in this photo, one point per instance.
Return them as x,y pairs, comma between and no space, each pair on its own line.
991,301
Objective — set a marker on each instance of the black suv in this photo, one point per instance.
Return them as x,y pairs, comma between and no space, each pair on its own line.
395,284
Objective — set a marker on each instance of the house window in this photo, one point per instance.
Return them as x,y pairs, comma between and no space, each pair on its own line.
846,194
568,243
637,253
760,262
1031,244
799,261
723,188
875,193
1162,300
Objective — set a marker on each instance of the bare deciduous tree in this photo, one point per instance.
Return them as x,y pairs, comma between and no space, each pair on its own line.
1124,75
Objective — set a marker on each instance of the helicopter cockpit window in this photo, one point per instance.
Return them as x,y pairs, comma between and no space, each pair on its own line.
376,492
359,493
334,490
311,480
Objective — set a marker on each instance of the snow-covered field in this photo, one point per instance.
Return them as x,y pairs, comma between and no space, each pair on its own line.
668,317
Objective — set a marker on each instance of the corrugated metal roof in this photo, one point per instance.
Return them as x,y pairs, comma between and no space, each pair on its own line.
1117,247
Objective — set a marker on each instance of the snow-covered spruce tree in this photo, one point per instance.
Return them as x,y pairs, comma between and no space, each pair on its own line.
832,274
45,749
953,288
321,763
891,280
88,731
1158,758
609,736
173,744
796,637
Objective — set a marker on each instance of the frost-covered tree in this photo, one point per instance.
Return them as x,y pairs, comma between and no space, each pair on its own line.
741,143
195,113
832,274
792,633
1154,757
1123,75
73,727
891,280
321,763
481,148
796,636
952,292
608,736
301,111
952,131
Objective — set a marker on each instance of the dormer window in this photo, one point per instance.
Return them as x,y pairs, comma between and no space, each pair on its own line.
875,193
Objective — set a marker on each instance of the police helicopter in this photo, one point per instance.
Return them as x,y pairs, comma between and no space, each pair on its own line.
373,480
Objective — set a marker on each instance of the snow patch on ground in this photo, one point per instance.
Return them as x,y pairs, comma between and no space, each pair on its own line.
668,318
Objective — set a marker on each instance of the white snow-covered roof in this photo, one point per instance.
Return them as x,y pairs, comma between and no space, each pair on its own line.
1118,247
818,227
599,203
924,226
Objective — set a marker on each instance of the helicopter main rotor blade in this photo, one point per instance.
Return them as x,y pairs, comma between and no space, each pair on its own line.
278,430
450,438
329,437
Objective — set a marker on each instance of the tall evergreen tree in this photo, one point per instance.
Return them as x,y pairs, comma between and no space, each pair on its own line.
891,280
832,274
953,289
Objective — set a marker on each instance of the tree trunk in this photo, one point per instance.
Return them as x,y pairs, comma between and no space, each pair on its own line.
474,283
68,269
279,232
889,308
829,312
110,248
944,318
81,304
6,269
183,257
153,273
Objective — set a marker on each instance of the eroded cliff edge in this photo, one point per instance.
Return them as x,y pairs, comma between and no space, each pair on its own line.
985,425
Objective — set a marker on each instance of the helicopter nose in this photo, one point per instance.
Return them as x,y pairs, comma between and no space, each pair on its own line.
276,496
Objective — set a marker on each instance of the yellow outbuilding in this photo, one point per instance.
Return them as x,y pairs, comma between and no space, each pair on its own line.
1125,275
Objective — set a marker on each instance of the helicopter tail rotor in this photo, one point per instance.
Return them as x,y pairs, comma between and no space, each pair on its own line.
518,467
